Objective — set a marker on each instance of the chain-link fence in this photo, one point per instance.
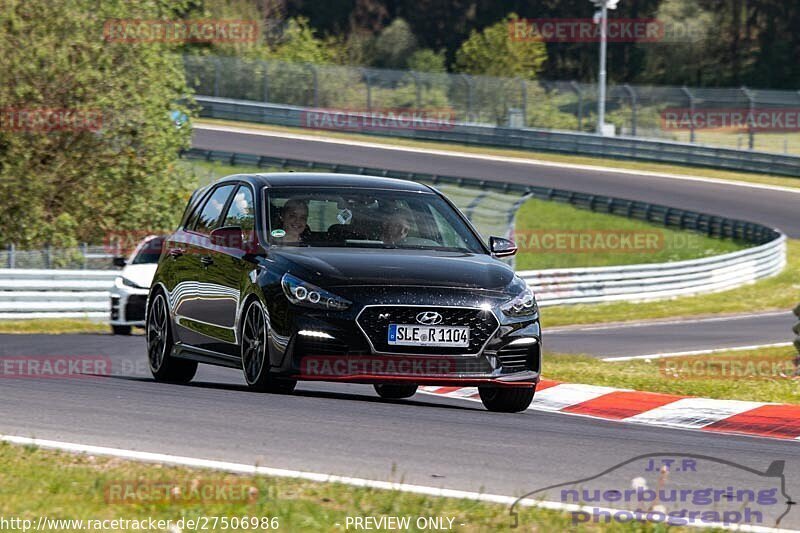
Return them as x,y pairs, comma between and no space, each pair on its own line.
635,110
81,257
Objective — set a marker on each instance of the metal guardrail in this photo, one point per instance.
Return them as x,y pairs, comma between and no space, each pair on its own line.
41,293
524,138
657,281
65,293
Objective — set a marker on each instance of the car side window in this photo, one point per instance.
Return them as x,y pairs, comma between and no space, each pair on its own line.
242,211
210,214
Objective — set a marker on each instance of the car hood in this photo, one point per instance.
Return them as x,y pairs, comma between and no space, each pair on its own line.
331,267
142,275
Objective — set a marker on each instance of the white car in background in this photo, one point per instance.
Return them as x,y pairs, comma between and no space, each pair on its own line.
129,294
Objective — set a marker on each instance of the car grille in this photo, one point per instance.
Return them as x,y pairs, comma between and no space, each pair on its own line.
374,321
134,309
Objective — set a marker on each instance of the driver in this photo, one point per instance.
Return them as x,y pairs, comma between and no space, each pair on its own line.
396,226
294,214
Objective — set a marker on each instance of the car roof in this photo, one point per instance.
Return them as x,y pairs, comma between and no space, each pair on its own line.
319,179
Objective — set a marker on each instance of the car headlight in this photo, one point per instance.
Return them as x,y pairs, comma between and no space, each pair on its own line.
301,292
524,304
122,281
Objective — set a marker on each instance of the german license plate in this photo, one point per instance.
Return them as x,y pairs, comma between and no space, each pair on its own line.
417,335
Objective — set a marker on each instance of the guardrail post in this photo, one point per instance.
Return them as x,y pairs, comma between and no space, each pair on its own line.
690,96
367,79
634,100
217,74
524,95
468,80
266,81
579,93
751,117
418,94
313,70
11,252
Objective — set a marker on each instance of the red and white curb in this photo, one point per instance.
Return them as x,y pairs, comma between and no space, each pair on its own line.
761,419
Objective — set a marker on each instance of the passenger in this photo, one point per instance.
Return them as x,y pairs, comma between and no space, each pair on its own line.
294,215
396,226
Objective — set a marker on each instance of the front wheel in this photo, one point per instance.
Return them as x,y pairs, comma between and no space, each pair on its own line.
506,399
163,366
255,360
395,392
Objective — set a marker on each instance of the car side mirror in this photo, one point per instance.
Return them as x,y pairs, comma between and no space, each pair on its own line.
501,247
228,237
119,262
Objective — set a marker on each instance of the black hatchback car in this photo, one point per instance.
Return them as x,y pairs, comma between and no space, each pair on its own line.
336,277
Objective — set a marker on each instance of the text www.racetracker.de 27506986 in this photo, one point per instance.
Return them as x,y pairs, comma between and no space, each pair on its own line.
197,523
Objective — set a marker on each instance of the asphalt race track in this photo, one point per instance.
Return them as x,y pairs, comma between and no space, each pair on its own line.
340,429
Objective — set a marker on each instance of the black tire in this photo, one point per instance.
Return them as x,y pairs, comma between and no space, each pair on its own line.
506,399
121,330
254,351
158,333
395,392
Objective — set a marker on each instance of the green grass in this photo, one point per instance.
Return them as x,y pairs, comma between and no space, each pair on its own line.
36,482
527,154
54,325
689,375
772,294
538,220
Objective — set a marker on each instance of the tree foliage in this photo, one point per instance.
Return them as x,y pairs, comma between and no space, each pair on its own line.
493,52
62,187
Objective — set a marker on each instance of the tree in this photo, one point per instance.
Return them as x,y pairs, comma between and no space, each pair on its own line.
394,45
493,52
60,187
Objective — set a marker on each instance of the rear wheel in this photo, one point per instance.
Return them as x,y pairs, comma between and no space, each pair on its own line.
255,360
120,330
163,366
506,399
395,392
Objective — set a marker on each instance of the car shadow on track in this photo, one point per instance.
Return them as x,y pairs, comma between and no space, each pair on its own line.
211,385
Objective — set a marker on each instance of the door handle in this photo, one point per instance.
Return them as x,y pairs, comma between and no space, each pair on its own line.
206,260
176,252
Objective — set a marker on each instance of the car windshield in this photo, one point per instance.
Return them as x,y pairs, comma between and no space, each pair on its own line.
149,253
366,218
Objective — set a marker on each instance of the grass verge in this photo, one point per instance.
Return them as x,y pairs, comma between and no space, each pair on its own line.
53,325
771,294
765,375
36,482
525,154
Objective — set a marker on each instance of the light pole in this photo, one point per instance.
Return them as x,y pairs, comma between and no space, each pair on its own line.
604,6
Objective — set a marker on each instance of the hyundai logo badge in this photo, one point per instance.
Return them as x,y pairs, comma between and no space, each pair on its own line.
429,318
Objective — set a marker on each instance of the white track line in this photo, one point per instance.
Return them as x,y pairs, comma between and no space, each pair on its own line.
484,157
698,352
241,468
645,323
